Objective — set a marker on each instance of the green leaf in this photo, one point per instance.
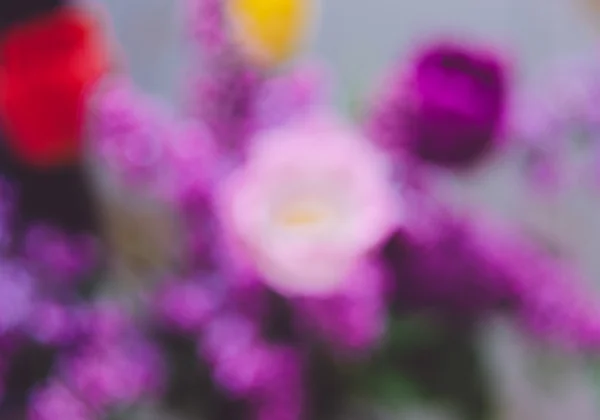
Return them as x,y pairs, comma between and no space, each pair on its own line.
412,331
394,389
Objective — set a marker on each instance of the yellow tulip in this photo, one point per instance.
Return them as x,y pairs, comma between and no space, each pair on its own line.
269,32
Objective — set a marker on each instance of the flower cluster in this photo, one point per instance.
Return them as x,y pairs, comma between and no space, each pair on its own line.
558,122
306,238
311,239
62,337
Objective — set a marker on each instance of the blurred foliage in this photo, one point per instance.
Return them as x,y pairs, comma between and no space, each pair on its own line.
426,361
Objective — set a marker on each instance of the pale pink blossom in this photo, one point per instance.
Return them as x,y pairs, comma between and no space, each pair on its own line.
311,200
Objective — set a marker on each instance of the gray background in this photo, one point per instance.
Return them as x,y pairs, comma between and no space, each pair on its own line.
358,37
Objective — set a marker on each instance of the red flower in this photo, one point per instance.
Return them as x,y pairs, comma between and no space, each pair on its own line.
48,65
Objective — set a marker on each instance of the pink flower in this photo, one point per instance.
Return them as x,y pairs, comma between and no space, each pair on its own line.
311,200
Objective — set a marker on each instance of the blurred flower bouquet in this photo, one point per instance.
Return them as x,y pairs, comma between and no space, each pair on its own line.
320,265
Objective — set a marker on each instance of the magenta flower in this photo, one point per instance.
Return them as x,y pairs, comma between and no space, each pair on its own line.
446,108
309,203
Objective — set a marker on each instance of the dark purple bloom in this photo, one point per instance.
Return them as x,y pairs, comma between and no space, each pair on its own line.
446,108
458,98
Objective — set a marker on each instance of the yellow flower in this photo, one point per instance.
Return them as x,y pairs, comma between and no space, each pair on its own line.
269,32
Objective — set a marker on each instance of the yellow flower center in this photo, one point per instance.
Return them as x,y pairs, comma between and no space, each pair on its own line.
270,31
303,214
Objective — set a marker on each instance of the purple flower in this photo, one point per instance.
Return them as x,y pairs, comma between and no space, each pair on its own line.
191,165
290,97
447,108
104,322
241,373
115,376
52,323
56,401
59,258
128,132
546,170
551,298
186,305
228,333
282,396
116,364
235,353
207,25
458,103
268,376
354,319
445,268
472,267
17,296
258,32
224,99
